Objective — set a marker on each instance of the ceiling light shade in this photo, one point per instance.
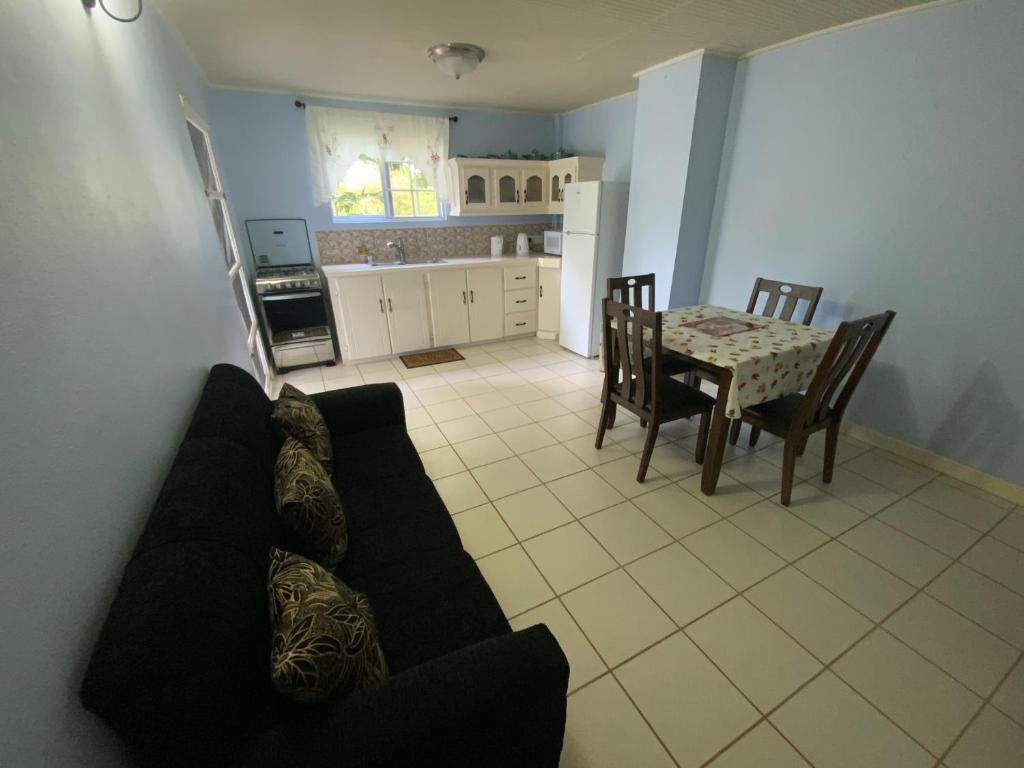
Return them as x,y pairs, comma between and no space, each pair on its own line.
456,59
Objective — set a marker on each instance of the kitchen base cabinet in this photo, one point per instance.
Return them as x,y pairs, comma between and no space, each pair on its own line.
486,305
408,320
449,306
359,306
549,296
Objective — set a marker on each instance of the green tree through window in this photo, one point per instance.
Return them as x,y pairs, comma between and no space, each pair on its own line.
399,190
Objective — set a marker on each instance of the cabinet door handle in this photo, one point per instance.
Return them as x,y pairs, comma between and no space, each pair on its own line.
381,302
541,289
463,297
472,298
520,277
520,301
522,323
517,195
467,197
390,308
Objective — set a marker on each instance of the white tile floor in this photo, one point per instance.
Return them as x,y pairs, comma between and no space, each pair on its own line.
878,621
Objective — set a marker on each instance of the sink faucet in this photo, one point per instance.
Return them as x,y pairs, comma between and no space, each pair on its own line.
398,246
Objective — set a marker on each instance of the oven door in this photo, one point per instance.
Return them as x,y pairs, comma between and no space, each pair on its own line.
295,317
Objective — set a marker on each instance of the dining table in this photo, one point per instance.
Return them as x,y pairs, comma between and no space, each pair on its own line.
753,359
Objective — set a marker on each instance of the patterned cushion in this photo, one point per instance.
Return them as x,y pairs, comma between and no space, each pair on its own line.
297,416
308,502
325,639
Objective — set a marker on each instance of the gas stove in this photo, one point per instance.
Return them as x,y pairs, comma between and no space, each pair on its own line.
287,279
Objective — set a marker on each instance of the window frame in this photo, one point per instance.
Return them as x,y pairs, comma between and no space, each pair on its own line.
389,206
215,193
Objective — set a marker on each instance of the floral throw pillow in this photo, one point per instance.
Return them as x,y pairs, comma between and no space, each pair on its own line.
296,415
325,640
309,504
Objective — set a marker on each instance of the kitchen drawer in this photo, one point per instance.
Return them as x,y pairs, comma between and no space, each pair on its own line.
520,277
520,322
522,300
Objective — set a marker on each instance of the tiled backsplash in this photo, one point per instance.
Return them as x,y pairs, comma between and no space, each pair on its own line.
338,246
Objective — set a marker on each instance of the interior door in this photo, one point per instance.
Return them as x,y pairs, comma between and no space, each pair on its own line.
486,303
406,301
360,301
449,306
579,257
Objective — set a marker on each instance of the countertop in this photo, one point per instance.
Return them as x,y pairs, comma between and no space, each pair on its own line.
542,259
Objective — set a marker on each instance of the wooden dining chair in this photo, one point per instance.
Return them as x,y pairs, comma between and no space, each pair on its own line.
789,294
796,417
638,383
630,289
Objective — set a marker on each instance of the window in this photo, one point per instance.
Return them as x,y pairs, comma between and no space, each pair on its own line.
378,166
199,135
395,190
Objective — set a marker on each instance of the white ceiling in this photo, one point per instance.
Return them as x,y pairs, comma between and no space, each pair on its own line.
544,55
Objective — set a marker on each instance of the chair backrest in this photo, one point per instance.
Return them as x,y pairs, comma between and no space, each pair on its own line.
791,292
629,289
625,328
842,367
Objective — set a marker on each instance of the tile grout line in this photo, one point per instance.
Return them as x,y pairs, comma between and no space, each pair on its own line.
739,593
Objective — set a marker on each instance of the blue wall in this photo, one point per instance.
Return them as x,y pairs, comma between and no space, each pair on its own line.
665,109
115,303
603,130
886,163
260,141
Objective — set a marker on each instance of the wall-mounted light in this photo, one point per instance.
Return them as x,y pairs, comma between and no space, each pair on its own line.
456,59
90,4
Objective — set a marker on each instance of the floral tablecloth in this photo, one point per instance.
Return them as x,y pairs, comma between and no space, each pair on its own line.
774,359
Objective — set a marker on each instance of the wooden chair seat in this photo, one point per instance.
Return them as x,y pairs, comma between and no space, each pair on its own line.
775,415
678,400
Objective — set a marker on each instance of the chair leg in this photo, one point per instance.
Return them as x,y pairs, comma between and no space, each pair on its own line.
755,432
643,423
645,457
702,437
788,470
802,447
831,444
612,411
607,416
734,431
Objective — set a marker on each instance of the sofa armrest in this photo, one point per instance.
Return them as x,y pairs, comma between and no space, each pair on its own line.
356,409
498,703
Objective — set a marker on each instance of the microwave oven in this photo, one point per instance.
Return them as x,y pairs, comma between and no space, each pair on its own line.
553,242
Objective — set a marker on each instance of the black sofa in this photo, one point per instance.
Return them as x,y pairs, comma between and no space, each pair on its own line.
181,668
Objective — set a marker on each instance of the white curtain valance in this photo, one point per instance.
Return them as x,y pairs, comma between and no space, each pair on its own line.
337,137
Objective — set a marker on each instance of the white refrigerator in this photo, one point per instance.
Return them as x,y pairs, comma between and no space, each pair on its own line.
593,238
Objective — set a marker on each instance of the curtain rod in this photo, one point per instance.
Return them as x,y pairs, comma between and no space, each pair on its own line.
302,105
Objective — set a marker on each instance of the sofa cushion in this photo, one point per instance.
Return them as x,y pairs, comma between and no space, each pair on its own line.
391,507
324,634
430,605
301,420
308,503
234,407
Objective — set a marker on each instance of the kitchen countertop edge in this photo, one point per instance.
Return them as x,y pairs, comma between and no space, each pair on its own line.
545,260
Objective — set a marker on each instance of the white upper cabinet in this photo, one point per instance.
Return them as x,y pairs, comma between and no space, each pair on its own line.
506,189
489,187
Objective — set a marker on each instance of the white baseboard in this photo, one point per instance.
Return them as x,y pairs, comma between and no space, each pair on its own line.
997,486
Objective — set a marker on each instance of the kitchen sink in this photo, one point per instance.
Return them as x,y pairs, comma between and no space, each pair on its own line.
408,263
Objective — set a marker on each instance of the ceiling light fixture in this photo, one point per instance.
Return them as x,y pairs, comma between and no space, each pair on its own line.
456,59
